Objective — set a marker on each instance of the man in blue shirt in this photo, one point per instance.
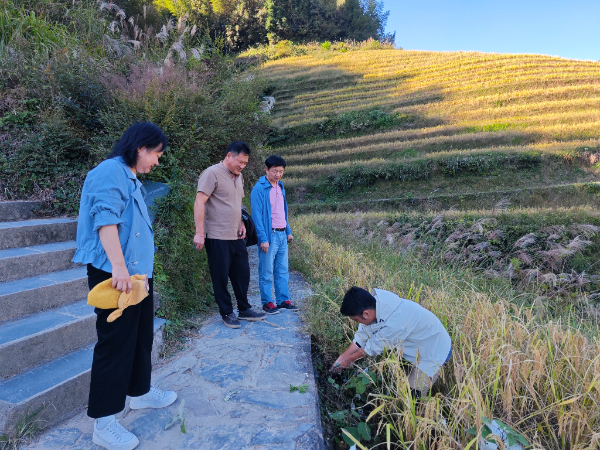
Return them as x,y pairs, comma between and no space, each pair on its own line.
270,214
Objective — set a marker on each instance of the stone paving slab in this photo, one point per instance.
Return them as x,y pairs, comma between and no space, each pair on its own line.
46,320
33,223
31,295
236,387
25,251
43,280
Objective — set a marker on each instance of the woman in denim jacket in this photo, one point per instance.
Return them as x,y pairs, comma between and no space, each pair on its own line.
115,240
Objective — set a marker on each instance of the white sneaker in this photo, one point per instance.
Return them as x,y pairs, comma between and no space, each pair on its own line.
114,436
153,399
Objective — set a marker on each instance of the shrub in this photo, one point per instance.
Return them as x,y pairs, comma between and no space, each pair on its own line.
283,49
347,178
341,47
82,95
200,116
480,164
345,124
326,45
48,161
181,272
21,118
359,175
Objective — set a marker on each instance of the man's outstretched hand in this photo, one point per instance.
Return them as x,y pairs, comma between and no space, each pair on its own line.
338,366
346,359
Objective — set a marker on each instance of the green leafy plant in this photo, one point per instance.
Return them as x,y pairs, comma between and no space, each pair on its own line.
21,118
83,96
362,431
360,382
333,383
302,388
178,418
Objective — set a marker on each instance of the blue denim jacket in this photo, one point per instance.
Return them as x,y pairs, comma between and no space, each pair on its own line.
111,195
260,203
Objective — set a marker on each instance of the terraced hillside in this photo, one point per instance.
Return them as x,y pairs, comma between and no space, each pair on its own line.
463,130
470,183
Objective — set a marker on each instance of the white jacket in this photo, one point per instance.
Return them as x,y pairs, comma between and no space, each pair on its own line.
406,325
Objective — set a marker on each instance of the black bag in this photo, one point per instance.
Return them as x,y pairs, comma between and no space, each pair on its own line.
251,236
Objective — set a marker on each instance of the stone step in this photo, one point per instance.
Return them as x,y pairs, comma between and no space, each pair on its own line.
56,389
39,338
36,232
30,295
17,263
19,210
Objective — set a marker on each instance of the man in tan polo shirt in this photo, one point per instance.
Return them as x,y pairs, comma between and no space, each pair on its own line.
219,228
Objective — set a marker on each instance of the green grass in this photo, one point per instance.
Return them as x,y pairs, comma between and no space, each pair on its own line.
24,28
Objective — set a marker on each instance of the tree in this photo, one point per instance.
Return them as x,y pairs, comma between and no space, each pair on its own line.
318,20
242,23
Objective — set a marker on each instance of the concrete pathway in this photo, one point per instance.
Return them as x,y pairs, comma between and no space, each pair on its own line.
236,387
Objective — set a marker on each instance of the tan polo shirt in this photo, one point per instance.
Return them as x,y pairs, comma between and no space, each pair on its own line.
223,212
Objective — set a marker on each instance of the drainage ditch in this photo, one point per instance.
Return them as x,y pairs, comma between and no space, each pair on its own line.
343,402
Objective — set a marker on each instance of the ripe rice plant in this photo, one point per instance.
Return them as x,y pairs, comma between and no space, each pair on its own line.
462,83
540,377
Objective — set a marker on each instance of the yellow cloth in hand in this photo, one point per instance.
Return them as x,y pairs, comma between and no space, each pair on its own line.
104,296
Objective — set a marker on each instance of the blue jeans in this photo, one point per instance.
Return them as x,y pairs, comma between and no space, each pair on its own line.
274,265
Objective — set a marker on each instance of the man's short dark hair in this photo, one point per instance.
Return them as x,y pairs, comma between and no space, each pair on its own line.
237,147
356,301
275,161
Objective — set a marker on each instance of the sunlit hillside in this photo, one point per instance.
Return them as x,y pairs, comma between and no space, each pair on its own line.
470,183
509,122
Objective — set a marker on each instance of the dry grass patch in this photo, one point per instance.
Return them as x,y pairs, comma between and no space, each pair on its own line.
539,377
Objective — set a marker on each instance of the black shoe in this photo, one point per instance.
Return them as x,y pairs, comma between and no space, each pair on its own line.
231,321
270,308
288,305
251,315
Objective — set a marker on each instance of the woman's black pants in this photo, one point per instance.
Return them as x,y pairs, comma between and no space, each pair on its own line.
121,364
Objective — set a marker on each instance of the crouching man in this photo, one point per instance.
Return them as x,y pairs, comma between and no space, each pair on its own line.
388,321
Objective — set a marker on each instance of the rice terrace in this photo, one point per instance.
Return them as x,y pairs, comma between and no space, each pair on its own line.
468,182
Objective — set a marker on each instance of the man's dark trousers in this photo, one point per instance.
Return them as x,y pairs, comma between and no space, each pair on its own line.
229,259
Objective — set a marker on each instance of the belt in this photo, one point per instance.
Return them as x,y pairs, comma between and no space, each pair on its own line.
278,229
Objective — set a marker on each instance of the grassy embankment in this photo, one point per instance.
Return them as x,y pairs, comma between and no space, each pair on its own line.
484,168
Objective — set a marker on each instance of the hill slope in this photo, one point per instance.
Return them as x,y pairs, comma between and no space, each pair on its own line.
458,124
477,176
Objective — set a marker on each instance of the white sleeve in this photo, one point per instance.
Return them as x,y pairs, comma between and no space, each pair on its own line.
361,337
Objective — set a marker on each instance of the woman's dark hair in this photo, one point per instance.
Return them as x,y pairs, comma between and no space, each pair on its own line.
275,161
141,134
237,147
356,301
